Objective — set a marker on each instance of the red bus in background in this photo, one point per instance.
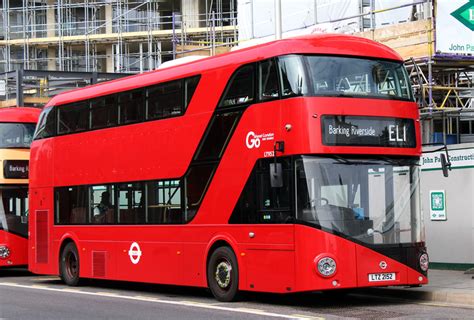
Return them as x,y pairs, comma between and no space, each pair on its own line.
285,167
17,126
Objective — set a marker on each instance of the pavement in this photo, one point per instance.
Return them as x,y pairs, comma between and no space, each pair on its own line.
445,286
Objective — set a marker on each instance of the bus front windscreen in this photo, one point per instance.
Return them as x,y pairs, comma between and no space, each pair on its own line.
374,201
14,210
337,76
16,135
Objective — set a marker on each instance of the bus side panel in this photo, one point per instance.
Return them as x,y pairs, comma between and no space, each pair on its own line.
41,171
42,258
18,249
313,244
262,248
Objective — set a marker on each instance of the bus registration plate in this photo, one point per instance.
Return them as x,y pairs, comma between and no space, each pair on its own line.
373,277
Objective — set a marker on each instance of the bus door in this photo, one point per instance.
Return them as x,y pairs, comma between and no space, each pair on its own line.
269,234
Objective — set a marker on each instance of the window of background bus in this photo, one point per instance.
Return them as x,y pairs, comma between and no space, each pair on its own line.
16,135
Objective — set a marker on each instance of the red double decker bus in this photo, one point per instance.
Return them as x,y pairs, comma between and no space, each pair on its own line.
17,126
286,167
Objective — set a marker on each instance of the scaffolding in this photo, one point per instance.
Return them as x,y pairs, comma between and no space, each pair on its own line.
111,35
34,88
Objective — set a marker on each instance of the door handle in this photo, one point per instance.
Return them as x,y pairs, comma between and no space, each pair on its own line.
251,234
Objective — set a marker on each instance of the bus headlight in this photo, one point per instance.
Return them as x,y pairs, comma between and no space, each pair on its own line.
4,252
424,262
326,266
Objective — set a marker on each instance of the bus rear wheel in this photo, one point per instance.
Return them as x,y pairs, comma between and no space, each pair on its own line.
69,265
223,274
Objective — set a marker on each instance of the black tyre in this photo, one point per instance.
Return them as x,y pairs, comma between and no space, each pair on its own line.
223,274
69,265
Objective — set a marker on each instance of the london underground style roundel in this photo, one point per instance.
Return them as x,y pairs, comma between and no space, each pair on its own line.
134,253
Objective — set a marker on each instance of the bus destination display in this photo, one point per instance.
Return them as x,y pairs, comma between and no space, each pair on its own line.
15,169
368,131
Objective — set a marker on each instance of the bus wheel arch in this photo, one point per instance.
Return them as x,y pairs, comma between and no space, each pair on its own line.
69,262
222,271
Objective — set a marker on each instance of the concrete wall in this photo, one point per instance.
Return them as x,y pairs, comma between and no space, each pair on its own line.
450,241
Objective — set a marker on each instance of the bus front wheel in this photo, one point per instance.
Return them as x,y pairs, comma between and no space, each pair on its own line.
69,265
223,274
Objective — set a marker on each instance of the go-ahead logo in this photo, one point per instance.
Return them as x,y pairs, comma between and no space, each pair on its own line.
465,14
253,140
135,253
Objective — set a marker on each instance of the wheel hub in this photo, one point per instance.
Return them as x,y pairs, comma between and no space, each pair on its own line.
223,273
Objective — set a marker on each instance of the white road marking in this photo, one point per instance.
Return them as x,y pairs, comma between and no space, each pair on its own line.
157,300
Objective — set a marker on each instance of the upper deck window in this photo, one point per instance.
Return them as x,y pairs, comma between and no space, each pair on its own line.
159,101
46,124
241,87
16,135
292,75
356,77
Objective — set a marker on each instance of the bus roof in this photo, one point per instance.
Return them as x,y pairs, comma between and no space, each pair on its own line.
329,44
19,114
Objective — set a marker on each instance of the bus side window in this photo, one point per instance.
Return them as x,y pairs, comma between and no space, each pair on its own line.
164,202
131,199
102,207
273,203
47,124
268,80
292,76
165,100
240,89
132,106
104,112
259,202
73,118
72,205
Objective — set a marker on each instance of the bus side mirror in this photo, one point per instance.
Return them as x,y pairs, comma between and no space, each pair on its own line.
445,165
276,175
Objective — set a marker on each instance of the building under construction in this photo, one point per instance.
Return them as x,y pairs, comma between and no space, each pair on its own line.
111,35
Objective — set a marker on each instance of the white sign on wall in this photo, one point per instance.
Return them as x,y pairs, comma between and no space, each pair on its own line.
460,158
455,26
438,205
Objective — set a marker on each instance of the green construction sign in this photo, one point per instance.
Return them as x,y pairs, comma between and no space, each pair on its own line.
438,205
465,14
